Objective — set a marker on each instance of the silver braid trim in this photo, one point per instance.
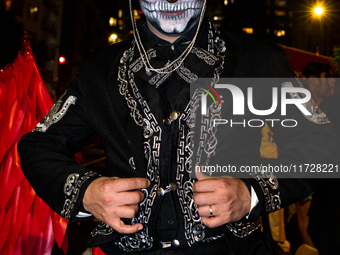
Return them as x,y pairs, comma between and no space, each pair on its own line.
71,190
242,230
152,138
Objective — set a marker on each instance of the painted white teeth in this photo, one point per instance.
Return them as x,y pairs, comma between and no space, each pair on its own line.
165,6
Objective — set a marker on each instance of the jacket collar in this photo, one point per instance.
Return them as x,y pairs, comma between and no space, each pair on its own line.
199,63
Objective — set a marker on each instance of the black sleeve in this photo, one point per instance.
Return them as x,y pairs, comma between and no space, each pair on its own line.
46,154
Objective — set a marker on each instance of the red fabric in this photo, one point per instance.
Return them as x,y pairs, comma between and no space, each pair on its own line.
299,58
28,226
97,251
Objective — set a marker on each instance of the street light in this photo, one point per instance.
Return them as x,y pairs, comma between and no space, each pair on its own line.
113,38
318,10
62,60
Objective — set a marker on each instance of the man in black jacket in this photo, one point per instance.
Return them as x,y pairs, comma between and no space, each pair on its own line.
135,95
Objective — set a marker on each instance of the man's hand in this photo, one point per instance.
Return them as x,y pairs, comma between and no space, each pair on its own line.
228,197
111,198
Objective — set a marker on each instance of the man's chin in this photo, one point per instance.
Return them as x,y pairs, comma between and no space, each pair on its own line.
170,32
171,29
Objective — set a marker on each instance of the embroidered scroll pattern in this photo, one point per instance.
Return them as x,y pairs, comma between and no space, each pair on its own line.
210,59
186,74
269,185
54,115
242,230
194,229
102,229
71,190
317,115
152,138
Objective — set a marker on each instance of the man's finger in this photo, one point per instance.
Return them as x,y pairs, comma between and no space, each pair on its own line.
200,175
205,198
212,222
204,211
125,184
122,228
131,197
204,185
127,212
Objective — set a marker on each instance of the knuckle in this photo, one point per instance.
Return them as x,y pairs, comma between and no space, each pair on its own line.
223,184
134,182
225,197
106,187
107,199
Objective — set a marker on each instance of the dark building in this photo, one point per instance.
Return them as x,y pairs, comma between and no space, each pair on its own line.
288,22
84,30
88,26
60,28
75,28
266,18
42,21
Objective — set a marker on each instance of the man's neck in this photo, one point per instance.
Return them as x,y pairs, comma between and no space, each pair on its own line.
169,38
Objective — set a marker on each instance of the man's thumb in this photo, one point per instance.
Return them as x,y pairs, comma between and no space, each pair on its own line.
199,174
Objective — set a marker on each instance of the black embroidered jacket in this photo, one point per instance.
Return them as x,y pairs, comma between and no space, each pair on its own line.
114,97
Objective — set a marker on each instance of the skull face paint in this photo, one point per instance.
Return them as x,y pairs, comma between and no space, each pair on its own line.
172,18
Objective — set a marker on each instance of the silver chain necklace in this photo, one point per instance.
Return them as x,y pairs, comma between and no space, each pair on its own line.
171,66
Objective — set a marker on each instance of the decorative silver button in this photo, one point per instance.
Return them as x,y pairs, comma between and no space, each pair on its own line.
175,243
173,116
172,47
171,187
160,192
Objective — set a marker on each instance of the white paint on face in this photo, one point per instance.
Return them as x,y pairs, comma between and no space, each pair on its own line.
172,18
